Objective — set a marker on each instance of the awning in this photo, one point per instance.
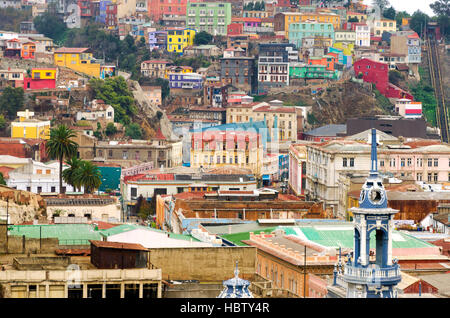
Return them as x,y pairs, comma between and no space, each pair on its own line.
266,177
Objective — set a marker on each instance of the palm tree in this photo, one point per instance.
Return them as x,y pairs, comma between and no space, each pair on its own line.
88,175
68,174
60,145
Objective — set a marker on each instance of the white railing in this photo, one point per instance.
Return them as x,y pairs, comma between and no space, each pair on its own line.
370,273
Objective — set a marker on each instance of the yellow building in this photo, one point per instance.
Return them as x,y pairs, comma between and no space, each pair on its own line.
43,73
178,39
379,26
283,20
362,17
77,59
28,127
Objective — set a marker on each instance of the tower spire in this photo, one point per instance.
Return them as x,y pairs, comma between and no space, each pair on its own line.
373,155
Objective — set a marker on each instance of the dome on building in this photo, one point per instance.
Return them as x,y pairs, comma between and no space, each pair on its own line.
236,287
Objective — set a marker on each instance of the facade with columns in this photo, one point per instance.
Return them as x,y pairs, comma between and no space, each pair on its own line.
76,283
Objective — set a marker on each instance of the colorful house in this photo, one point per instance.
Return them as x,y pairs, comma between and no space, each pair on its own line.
28,127
211,17
178,39
328,61
302,71
78,59
41,78
298,31
27,51
283,20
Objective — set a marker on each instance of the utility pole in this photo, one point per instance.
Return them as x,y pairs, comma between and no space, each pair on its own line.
304,273
7,224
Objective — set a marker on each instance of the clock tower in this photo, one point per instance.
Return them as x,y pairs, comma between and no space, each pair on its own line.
371,272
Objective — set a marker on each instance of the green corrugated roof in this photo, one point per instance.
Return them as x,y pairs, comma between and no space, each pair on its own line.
329,237
237,238
67,234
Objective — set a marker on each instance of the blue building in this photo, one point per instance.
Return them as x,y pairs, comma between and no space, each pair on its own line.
186,80
298,31
365,275
283,166
101,18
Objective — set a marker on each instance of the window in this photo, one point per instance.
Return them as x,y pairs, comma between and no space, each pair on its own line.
402,162
435,177
430,162
352,162
409,162
53,189
392,162
133,192
419,162
429,177
419,177
436,162
344,162
381,163
125,154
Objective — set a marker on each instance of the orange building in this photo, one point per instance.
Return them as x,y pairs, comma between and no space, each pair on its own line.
28,50
328,61
280,259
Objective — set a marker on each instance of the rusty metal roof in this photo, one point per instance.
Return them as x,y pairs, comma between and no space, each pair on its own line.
124,246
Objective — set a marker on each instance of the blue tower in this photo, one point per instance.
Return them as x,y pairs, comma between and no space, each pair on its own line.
366,275
236,287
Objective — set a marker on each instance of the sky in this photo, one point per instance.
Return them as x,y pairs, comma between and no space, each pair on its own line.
410,6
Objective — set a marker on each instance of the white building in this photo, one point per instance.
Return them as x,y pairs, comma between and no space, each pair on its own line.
98,111
38,177
407,108
362,36
345,36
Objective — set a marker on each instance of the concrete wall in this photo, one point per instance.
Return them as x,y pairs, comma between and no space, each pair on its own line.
16,245
210,264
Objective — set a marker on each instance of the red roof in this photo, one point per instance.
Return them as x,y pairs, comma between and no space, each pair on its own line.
190,195
275,109
159,135
104,225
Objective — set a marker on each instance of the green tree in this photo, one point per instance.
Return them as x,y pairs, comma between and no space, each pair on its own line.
115,92
134,131
60,146
2,179
353,19
381,4
51,25
418,21
389,13
395,77
441,7
69,173
88,175
144,208
202,37
12,17
110,129
11,100
2,122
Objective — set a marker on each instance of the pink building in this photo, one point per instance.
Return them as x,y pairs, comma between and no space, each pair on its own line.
409,109
297,168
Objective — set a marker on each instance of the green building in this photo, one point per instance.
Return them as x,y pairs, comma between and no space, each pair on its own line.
211,17
298,31
303,71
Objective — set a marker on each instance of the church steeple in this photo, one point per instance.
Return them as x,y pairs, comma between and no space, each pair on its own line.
373,154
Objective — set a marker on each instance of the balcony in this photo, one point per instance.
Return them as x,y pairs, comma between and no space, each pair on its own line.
360,275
